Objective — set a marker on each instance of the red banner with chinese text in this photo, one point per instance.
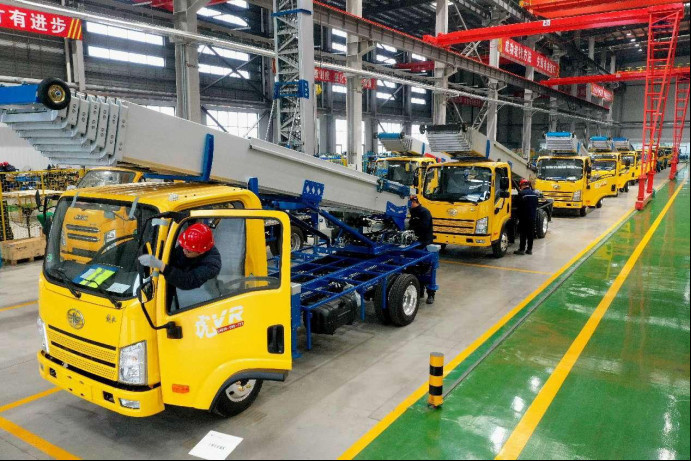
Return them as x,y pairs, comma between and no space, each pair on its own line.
334,76
521,54
467,101
601,92
15,18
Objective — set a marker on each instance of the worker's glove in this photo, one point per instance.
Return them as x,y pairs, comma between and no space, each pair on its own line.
151,261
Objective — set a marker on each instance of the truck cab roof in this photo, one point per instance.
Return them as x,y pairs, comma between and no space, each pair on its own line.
169,196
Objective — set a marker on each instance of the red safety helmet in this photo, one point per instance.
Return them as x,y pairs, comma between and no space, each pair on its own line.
198,238
523,182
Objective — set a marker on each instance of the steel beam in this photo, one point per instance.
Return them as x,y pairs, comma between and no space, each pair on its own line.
562,8
440,74
333,17
621,76
590,21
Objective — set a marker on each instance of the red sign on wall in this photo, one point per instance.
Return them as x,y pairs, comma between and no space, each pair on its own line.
15,18
467,101
601,92
334,76
521,54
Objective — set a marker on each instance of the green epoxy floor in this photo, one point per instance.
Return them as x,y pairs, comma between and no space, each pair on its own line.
627,395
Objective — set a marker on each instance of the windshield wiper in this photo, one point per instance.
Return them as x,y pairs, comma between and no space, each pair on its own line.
117,304
68,283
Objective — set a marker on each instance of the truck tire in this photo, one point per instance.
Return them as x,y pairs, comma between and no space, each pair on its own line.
442,247
598,204
297,239
582,212
382,314
541,224
404,299
501,245
53,93
626,187
237,397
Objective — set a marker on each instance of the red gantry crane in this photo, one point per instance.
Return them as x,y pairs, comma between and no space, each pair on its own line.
663,19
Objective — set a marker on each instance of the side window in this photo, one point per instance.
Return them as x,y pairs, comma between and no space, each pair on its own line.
239,250
234,205
500,173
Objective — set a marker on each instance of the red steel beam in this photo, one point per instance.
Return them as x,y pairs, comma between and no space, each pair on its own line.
621,76
421,66
564,8
589,21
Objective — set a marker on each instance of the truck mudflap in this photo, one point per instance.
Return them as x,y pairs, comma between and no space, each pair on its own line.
138,403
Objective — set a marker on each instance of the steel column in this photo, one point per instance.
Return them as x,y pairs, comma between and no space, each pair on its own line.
492,107
681,105
354,87
439,99
187,61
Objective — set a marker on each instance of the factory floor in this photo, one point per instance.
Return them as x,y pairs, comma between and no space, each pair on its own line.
531,372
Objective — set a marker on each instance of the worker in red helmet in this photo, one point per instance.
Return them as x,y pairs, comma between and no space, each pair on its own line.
193,262
527,215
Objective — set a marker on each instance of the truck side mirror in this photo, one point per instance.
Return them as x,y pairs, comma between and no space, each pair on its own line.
504,183
588,171
416,180
627,162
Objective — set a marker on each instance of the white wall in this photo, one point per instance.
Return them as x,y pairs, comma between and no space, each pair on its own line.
18,152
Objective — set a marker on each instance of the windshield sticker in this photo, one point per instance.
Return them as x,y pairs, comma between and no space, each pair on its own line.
118,288
210,326
94,276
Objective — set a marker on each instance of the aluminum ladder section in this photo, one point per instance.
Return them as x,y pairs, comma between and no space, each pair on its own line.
94,131
405,145
601,143
564,142
456,141
622,144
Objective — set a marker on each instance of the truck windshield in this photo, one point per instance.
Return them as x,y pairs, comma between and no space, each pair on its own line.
401,171
605,166
97,178
560,169
458,184
93,245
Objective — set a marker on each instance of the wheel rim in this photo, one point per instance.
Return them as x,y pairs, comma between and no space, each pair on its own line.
240,390
544,225
295,242
410,300
56,94
504,245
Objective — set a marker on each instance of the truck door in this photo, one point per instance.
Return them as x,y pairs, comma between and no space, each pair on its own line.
237,323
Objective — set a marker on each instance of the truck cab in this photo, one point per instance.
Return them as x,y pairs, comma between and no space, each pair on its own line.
470,203
91,226
403,170
634,160
570,181
621,170
119,336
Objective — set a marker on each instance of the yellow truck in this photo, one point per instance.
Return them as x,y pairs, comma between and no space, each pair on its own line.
403,170
603,148
630,155
471,204
90,227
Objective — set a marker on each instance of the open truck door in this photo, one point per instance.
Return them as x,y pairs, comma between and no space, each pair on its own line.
233,332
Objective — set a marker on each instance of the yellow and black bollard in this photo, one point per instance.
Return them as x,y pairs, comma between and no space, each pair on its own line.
436,380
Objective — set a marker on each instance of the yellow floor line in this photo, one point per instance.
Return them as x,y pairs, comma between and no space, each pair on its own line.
521,434
16,306
35,441
381,426
515,269
29,399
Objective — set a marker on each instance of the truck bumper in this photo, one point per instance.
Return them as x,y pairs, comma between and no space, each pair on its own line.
574,205
465,240
150,400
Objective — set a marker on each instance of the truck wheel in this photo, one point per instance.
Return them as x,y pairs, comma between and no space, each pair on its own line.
237,397
582,212
442,247
297,239
53,93
501,245
626,187
383,314
404,299
598,204
541,225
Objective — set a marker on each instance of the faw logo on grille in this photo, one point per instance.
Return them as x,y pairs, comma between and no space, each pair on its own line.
452,212
75,319
555,186
81,217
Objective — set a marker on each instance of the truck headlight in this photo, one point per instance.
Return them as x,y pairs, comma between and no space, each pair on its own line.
63,239
109,236
481,226
43,334
133,364
577,196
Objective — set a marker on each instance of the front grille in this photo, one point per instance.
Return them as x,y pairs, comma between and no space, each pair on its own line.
83,253
99,359
74,227
454,226
558,196
84,238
